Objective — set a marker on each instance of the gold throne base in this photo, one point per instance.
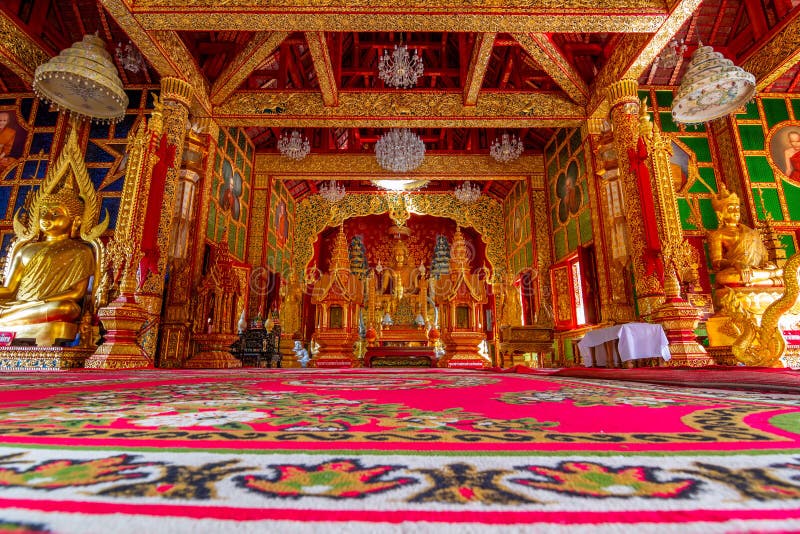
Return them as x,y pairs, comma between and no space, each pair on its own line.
43,358
722,327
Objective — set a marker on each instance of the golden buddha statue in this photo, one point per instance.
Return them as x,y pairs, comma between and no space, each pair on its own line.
54,255
401,278
738,254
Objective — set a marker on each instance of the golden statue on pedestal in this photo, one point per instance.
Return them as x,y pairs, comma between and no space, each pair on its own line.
738,254
400,278
55,254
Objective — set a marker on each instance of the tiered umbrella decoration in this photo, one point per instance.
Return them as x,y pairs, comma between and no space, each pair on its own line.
82,81
712,87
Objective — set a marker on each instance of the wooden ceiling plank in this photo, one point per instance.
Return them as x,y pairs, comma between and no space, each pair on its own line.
776,53
542,49
252,56
321,57
481,51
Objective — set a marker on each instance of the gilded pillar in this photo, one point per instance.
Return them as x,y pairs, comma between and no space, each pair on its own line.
624,104
176,97
597,200
185,234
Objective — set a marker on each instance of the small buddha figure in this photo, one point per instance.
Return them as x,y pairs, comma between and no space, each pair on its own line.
738,254
401,278
48,278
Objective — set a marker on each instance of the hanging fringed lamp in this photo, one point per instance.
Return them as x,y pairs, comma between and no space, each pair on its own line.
712,87
83,81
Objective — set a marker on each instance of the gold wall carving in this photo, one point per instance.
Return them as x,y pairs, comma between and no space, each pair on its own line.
776,56
435,166
551,59
18,52
481,52
254,53
571,16
429,109
314,214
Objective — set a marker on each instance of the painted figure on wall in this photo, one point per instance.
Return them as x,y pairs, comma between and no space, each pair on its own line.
12,140
569,193
785,151
230,191
281,223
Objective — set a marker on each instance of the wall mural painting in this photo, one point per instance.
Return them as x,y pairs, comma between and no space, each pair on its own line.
569,193
281,223
784,149
679,163
230,191
12,139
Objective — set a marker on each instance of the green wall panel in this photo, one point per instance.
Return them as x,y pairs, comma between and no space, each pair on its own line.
560,243
751,112
796,107
707,214
685,213
775,111
752,137
769,197
699,146
788,244
667,124
758,169
664,99
792,193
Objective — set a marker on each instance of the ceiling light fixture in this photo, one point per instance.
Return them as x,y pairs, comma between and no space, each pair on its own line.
294,146
400,150
467,192
671,54
332,192
400,69
506,149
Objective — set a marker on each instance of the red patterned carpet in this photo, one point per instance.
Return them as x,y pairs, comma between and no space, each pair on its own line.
392,450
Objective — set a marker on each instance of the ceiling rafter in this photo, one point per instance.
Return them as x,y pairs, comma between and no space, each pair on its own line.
776,53
18,51
542,49
256,51
175,51
635,52
321,57
481,52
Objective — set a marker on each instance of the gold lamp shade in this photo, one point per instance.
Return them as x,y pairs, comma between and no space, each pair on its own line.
712,87
83,81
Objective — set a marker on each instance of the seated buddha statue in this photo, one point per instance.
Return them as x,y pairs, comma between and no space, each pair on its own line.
738,254
401,278
48,277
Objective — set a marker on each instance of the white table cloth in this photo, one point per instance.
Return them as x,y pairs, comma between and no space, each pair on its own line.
636,341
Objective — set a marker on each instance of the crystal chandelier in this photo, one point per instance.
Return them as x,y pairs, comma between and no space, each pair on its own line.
671,54
467,192
400,69
331,191
294,146
399,150
506,149
712,87
129,57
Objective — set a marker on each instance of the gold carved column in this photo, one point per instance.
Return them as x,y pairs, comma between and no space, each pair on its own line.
624,104
176,97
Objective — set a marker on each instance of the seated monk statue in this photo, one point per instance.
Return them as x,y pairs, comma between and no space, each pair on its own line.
400,278
738,254
48,277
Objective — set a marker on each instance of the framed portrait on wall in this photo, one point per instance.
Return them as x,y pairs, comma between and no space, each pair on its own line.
784,149
281,223
12,139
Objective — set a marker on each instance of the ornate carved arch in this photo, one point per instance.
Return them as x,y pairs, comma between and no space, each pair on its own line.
315,214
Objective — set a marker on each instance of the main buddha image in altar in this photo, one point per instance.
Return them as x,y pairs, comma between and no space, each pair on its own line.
738,254
401,277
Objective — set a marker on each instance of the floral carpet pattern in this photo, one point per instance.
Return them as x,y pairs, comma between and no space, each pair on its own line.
370,450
